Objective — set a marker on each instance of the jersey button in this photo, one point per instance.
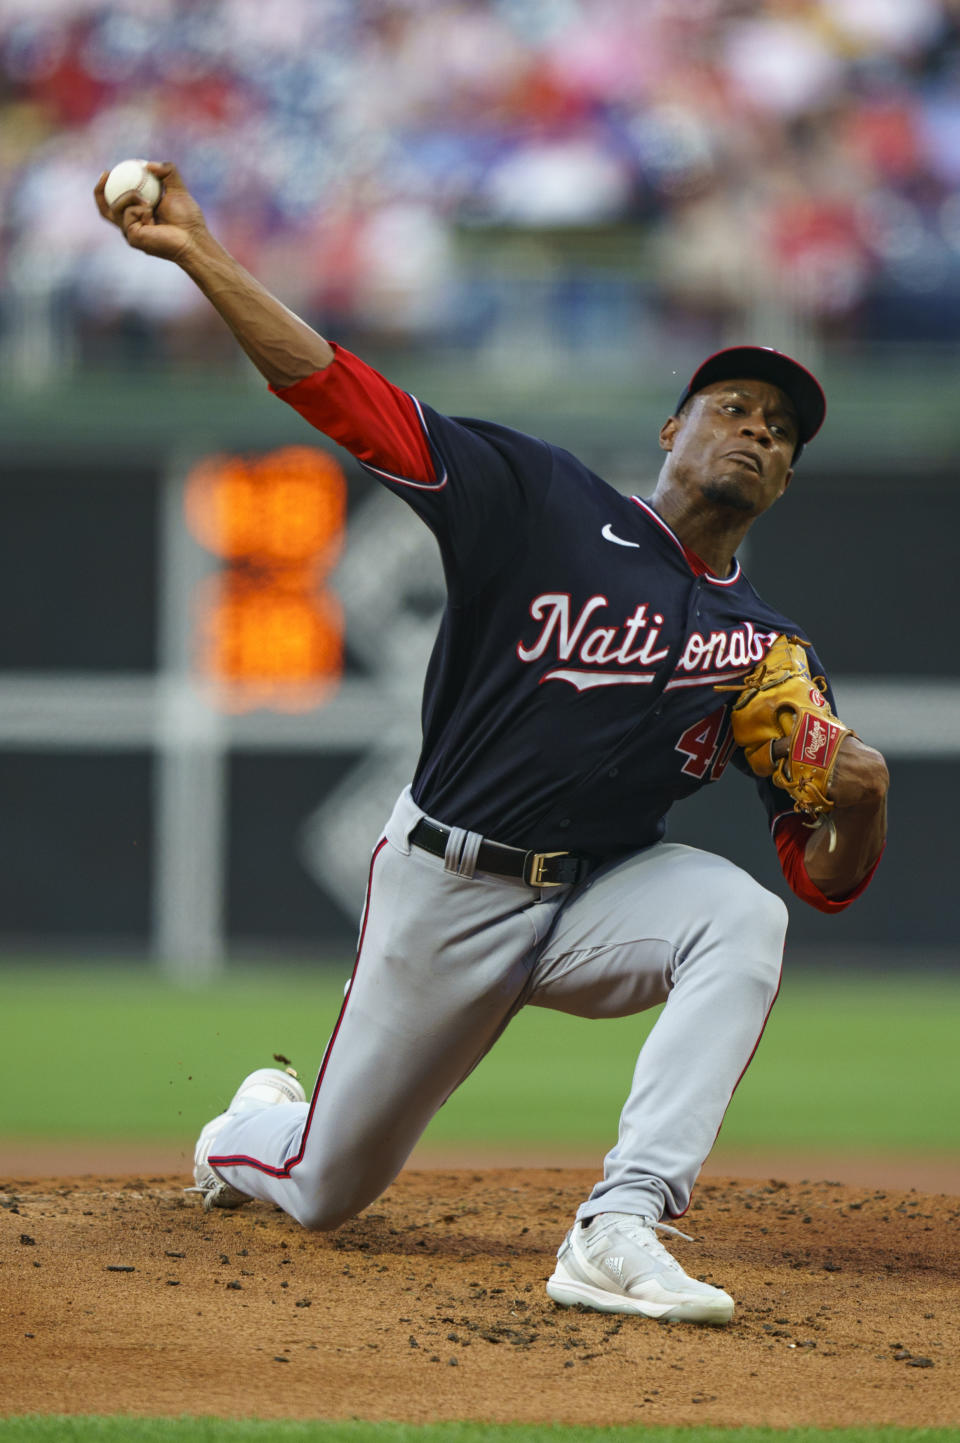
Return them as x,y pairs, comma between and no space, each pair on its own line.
564,822
613,772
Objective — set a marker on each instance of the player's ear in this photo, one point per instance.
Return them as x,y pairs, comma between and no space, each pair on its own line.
668,432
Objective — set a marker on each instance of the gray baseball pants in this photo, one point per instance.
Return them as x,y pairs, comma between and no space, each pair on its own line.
448,955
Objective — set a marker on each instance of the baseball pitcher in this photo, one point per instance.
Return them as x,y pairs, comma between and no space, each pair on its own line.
600,657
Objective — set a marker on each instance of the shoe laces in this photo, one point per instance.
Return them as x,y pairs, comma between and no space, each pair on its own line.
210,1191
667,1257
666,1228
206,1189
654,1244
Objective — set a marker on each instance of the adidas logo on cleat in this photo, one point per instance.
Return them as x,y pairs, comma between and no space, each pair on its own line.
615,1267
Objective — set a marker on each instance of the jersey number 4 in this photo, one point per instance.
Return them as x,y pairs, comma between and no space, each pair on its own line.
707,746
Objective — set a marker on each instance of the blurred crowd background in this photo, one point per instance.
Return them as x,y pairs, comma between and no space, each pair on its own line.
467,172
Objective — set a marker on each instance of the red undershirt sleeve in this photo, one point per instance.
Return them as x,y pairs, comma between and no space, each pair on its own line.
790,835
366,414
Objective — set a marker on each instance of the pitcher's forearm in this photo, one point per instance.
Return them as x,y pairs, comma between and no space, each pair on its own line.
838,858
841,854
283,348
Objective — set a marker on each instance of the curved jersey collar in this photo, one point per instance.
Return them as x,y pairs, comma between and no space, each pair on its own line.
696,564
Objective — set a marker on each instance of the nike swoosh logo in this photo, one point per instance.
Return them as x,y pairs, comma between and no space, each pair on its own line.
608,535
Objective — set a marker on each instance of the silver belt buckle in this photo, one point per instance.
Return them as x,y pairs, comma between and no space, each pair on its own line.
534,870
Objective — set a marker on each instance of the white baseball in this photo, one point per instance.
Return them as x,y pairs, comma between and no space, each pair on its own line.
131,175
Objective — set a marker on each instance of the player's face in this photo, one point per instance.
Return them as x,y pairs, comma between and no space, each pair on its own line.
733,444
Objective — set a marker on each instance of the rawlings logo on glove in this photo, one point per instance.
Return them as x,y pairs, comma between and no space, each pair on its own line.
779,698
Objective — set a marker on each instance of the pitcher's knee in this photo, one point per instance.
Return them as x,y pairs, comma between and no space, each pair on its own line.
755,939
744,931
316,1214
747,911
323,1210
766,919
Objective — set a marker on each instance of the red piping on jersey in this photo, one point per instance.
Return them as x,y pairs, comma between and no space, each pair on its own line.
432,484
697,565
382,426
790,835
239,1160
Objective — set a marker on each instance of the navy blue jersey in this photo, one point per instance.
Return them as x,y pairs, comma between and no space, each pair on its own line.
569,700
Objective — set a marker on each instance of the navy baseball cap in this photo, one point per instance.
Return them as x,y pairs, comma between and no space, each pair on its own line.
765,364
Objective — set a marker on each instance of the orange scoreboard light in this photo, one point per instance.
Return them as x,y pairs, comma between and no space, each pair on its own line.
269,629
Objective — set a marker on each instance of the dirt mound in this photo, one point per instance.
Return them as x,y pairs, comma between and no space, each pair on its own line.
121,1295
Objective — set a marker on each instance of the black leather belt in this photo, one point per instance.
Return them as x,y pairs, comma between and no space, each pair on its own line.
537,869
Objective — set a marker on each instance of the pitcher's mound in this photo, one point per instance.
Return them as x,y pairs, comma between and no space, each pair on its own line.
121,1295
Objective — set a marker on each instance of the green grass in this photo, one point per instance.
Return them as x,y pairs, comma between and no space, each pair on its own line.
213,1430
847,1064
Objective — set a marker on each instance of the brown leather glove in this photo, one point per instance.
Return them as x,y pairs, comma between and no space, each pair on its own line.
779,698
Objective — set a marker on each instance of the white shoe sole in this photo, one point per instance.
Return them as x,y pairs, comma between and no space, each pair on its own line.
568,1292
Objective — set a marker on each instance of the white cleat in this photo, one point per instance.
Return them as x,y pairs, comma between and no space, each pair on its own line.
616,1263
263,1088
